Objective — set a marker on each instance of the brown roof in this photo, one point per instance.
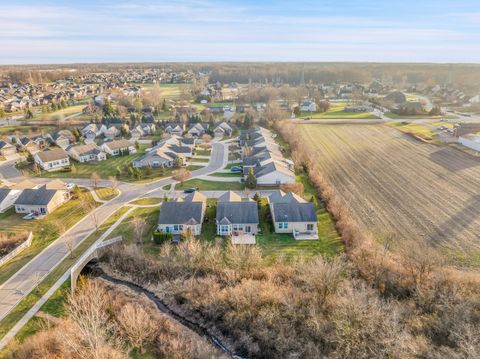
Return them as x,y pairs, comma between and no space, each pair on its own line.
117,144
52,154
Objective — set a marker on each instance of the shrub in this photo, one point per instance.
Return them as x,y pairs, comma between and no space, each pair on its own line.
161,237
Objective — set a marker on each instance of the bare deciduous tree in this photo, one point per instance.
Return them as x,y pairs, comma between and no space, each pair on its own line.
182,175
139,225
94,178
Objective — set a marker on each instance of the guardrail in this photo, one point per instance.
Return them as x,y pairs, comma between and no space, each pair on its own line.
17,250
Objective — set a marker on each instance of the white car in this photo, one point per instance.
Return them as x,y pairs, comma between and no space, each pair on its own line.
70,186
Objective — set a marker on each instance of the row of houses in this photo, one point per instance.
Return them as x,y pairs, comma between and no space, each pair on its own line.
237,217
54,159
28,197
263,155
167,152
198,129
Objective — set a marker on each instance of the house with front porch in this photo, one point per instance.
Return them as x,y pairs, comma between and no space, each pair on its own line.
292,214
237,218
183,215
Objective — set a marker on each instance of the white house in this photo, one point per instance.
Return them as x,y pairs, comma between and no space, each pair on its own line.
8,196
292,214
273,173
53,159
42,201
471,141
114,148
87,153
308,106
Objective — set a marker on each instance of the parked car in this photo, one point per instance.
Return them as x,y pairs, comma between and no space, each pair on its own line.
236,169
189,190
30,216
70,186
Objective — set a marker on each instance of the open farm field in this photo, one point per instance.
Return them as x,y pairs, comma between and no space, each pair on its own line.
400,188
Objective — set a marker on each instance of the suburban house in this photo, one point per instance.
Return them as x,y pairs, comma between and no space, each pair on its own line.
116,147
222,129
7,149
111,132
471,141
27,144
308,106
86,153
183,214
8,196
52,159
165,153
187,142
41,201
292,214
198,129
264,156
175,129
237,218
273,173
62,138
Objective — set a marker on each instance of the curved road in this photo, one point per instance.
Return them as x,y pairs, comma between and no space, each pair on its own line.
30,275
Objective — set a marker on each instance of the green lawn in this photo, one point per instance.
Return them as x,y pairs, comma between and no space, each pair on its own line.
230,165
106,193
193,168
125,229
275,245
203,185
55,305
418,130
44,230
203,152
226,174
147,201
209,228
337,110
194,159
6,130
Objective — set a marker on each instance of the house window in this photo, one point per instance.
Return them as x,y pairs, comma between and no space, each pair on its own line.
177,227
310,227
283,225
224,229
247,229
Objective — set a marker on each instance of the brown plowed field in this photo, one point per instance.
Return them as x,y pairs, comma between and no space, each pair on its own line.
399,187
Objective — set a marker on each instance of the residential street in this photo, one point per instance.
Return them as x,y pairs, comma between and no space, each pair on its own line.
26,279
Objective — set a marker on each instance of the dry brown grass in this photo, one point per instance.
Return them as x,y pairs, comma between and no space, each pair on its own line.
8,241
106,322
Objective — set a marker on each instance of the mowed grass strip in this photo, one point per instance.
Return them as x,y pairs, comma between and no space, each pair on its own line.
204,185
106,193
45,230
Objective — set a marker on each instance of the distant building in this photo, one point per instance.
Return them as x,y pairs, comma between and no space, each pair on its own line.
308,106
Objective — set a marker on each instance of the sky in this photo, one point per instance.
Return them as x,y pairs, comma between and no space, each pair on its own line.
210,30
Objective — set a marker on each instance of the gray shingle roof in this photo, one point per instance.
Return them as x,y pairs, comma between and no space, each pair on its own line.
180,212
294,212
237,212
4,193
41,196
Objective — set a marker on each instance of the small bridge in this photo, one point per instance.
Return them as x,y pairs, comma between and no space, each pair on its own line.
94,252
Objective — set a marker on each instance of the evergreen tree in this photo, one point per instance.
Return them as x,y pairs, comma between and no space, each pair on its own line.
251,181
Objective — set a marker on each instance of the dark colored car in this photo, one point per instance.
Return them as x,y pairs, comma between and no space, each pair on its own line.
189,190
